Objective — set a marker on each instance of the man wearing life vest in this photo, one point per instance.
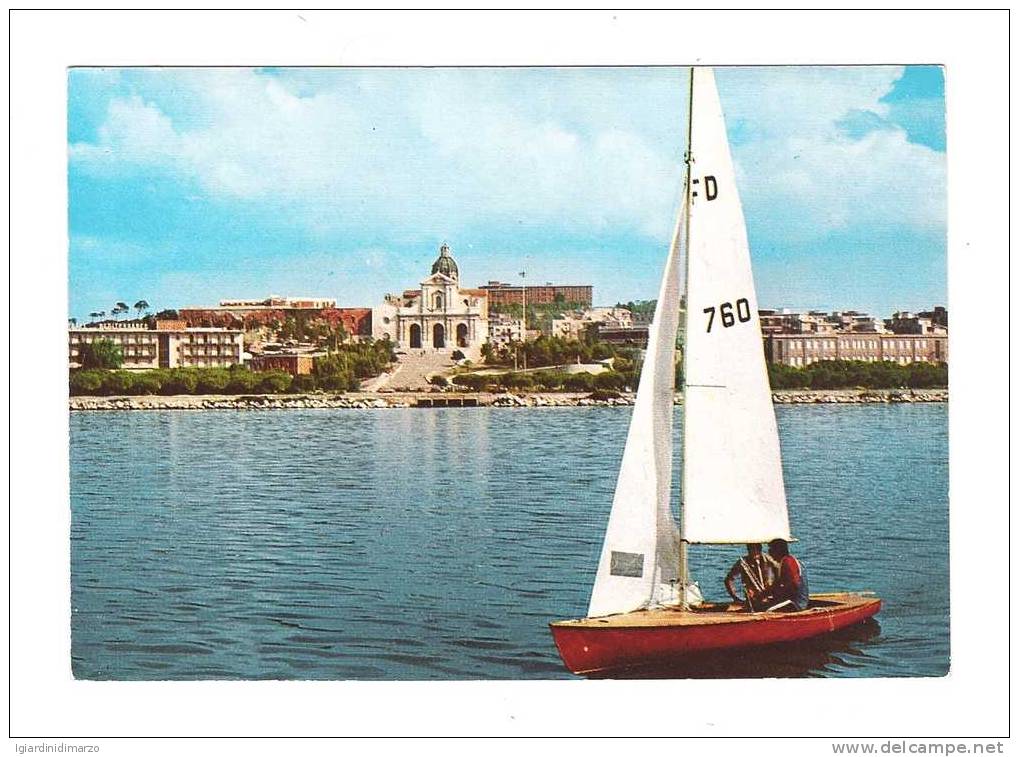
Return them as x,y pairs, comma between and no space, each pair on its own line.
789,591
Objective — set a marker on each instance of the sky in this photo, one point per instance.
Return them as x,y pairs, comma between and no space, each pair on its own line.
187,186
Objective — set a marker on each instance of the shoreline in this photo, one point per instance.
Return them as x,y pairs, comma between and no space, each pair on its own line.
362,400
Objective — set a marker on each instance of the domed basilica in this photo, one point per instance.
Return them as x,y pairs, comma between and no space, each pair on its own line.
440,316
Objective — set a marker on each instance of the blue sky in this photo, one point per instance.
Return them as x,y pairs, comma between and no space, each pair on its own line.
192,185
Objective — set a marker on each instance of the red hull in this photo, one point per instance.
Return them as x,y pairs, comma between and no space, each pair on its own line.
598,645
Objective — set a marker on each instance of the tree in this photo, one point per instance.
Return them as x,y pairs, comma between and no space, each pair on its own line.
118,308
141,306
179,381
102,354
274,382
85,382
72,322
167,315
118,383
304,383
213,381
94,315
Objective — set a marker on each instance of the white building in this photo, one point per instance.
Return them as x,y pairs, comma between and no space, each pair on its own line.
575,325
504,329
440,316
170,344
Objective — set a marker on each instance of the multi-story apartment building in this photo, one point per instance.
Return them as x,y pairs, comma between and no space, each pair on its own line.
167,344
504,329
800,350
575,325
909,323
500,293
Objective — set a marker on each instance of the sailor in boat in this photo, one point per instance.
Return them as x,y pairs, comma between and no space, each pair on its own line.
790,592
757,572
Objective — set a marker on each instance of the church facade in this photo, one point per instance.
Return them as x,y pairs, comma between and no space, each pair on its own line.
440,316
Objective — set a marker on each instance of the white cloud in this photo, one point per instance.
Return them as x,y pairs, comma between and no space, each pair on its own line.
443,149
803,177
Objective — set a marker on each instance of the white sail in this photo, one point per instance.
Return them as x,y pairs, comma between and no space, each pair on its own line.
640,556
733,490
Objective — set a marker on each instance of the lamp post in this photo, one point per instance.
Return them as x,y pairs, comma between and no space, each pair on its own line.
523,299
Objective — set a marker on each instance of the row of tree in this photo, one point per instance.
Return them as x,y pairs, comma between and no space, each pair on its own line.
840,374
340,371
555,350
167,381
118,309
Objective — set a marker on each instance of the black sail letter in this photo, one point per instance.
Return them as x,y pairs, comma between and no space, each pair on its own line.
710,188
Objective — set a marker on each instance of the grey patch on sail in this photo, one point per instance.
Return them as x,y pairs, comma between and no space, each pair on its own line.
628,564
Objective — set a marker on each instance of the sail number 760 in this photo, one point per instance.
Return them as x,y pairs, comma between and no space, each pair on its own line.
726,314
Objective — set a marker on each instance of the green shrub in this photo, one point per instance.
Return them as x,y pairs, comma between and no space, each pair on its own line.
304,383
549,380
117,383
179,381
516,381
579,382
836,374
147,382
274,382
213,381
610,380
472,381
83,382
241,382
338,382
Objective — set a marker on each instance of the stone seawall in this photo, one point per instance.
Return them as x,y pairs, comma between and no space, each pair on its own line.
447,399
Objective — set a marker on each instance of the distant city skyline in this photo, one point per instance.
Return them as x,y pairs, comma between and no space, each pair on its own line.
188,186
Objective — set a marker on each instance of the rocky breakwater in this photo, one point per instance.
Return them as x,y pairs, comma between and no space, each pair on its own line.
557,400
434,399
856,396
235,402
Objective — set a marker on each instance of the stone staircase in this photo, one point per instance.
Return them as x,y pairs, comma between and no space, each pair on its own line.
413,369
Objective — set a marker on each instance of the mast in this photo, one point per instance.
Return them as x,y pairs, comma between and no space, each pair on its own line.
684,296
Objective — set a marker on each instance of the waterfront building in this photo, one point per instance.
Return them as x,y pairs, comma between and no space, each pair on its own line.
577,324
634,336
500,293
164,344
504,329
439,316
799,350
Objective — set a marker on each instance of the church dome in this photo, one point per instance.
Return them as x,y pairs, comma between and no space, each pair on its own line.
445,263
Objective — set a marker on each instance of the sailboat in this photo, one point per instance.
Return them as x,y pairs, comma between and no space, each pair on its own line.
644,608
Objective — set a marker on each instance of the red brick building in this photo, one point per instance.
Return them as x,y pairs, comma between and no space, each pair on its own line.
500,293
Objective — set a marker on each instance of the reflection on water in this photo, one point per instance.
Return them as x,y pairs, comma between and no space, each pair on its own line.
844,649
438,544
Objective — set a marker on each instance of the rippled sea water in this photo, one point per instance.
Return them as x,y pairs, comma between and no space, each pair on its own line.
437,544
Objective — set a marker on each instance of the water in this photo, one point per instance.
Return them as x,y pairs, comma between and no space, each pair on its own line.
437,544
